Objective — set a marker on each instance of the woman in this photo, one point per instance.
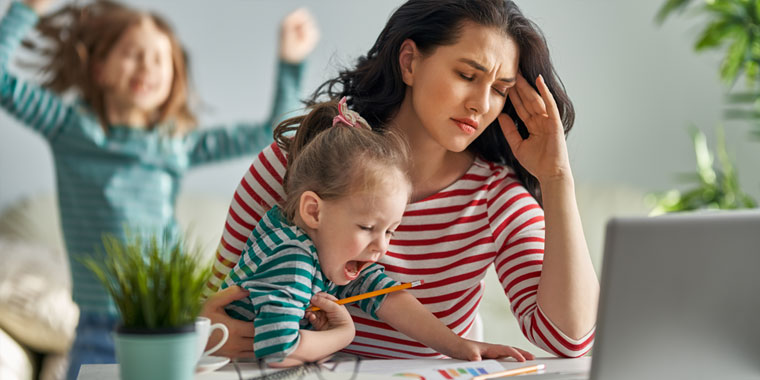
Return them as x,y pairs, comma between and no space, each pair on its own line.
458,80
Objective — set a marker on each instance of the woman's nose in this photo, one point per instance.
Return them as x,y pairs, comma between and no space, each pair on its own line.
477,100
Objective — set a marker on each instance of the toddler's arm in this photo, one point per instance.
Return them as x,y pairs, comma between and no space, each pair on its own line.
406,314
333,334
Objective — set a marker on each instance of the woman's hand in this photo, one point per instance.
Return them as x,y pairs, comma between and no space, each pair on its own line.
475,351
298,36
240,342
544,152
331,315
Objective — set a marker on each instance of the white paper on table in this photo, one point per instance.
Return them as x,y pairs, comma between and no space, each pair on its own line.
428,369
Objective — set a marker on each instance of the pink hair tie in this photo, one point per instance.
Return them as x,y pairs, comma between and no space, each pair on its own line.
348,117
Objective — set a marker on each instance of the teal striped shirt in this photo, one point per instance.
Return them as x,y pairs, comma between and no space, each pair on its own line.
280,268
127,178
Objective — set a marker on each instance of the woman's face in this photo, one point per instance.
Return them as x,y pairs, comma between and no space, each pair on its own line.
458,90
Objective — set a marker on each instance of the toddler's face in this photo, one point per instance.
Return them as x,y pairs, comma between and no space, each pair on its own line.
138,73
355,230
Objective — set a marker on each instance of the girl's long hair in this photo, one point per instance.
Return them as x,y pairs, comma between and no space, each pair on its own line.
79,37
375,89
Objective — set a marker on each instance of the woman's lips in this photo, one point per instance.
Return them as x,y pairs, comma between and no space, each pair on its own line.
466,127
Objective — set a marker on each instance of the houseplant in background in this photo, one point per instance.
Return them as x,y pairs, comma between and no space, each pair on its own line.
157,288
735,26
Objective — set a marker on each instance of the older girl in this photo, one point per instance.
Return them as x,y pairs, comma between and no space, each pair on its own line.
485,191
123,147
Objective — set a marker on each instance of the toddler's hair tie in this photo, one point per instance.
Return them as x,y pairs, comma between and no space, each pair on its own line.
349,117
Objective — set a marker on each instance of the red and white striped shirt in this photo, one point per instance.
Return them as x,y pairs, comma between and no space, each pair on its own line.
448,239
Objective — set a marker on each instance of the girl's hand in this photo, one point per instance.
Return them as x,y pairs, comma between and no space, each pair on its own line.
39,6
240,342
331,316
298,36
544,152
475,351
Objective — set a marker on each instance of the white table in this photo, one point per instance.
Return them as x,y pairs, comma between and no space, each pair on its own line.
111,371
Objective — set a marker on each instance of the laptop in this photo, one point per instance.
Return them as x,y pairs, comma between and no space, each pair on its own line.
680,299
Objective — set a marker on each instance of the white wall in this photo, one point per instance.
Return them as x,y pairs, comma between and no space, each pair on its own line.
636,86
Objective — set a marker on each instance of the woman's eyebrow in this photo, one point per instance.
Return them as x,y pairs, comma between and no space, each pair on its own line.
479,67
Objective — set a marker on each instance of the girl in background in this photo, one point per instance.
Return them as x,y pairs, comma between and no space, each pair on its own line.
471,87
122,148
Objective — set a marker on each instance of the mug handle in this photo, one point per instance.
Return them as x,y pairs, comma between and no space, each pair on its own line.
225,333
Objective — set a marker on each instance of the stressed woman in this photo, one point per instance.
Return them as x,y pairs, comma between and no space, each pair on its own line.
470,86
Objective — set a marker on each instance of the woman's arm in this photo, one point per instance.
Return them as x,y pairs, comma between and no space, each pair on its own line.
568,288
406,314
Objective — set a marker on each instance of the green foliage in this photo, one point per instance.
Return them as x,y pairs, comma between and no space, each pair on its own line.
716,189
733,25
153,285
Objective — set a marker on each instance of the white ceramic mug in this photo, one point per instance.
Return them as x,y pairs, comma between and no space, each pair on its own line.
203,328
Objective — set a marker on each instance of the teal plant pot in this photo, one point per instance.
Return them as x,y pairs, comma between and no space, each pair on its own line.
165,354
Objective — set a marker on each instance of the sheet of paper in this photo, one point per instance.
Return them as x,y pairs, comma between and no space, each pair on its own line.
432,369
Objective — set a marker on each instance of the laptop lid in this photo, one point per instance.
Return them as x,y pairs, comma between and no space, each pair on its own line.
680,298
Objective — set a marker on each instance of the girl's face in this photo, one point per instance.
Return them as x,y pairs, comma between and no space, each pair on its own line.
458,90
354,231
138,72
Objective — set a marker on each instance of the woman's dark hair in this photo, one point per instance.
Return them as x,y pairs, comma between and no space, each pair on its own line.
375,89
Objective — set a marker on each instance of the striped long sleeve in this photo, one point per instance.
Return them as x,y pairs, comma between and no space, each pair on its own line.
38,108
208,145
448,239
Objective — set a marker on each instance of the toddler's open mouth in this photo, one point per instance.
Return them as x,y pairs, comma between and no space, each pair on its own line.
354,267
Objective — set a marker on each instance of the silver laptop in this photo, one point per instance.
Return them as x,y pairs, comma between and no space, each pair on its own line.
680,299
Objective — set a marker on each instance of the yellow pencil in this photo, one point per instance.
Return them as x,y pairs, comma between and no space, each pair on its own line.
511,372
374,294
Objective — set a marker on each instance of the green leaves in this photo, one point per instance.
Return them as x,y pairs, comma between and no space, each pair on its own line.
716,188
735,25
153,284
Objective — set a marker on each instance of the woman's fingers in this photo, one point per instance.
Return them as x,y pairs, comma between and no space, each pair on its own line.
548,98
517,102
530,98
510,131
525,354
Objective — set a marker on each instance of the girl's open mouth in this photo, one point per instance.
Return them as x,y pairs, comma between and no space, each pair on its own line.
354,267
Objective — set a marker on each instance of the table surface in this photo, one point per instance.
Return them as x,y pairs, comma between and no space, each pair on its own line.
369,368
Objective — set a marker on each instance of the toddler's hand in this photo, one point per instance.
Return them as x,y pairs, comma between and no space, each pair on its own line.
331,316
474,351
298,36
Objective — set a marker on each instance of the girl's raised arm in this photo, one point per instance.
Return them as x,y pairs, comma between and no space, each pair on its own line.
36,107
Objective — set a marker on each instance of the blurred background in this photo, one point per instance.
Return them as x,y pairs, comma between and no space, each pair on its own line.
637,87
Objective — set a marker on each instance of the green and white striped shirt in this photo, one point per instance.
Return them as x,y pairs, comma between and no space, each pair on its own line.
280,268
126,178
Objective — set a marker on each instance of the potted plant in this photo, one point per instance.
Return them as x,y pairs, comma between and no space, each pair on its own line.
156,287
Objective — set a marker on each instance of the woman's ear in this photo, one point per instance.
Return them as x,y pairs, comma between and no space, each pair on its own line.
309,207
407,57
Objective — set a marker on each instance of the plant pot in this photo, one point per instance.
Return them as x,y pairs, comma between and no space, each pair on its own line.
165,354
